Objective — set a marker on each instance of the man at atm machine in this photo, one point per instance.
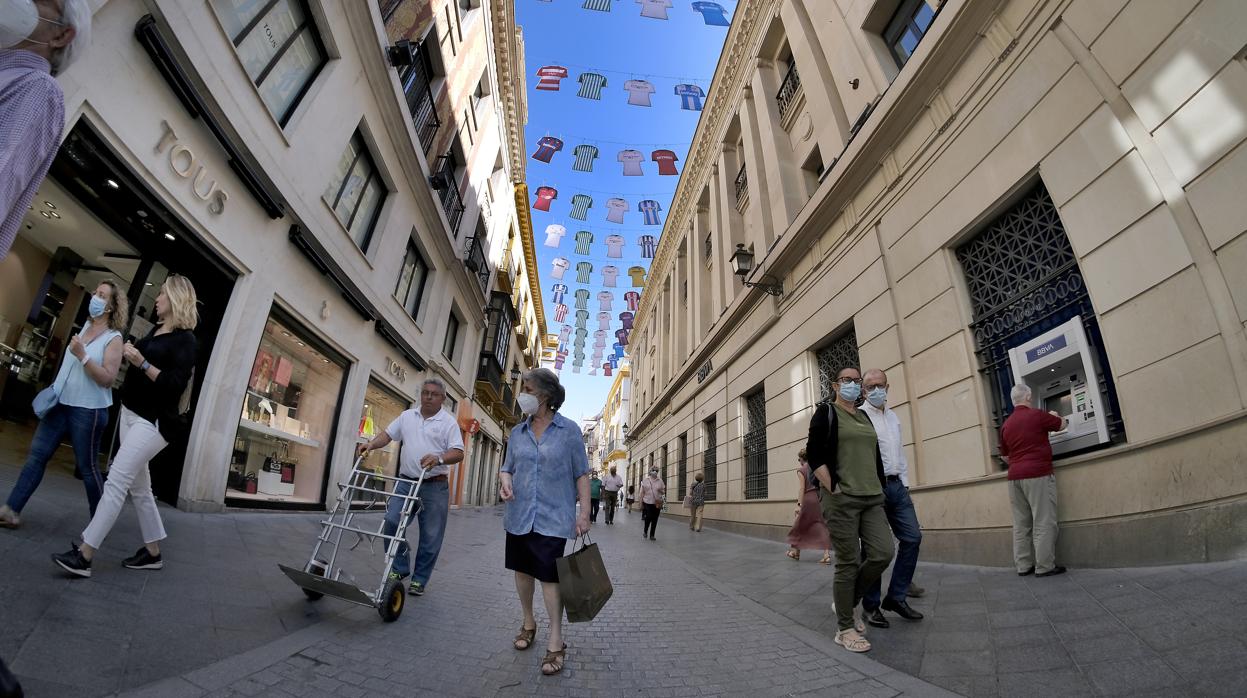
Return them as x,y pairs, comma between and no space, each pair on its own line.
1025,445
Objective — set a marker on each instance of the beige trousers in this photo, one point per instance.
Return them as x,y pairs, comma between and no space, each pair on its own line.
694,519
1034,523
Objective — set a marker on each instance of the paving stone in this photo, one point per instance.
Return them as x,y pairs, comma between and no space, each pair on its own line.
1131,676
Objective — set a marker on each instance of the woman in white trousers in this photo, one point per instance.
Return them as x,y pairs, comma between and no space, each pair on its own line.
162,364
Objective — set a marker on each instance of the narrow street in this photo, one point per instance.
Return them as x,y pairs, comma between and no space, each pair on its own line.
708,614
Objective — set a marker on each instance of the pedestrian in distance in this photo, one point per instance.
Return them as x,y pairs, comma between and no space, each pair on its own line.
432,443
154,396
899,508
38,39
631,498
595,496
697,502
86,377
543,478
843,451
612,484
653,492
808,532
1032,484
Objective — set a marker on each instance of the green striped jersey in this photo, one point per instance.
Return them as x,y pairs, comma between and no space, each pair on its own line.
591,85
585,155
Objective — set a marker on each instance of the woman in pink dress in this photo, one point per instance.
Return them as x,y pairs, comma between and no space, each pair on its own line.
809,531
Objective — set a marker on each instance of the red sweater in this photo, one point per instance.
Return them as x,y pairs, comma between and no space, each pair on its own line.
1024,441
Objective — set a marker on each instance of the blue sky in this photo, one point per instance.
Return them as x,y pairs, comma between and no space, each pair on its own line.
620,45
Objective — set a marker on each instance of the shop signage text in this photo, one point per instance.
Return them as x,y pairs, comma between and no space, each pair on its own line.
394,369
185,164
704,371
1032,355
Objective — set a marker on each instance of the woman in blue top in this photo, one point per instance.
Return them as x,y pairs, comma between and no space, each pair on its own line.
545,474
85,379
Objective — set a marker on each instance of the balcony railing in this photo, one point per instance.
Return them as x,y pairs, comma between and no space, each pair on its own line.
418,88
787,95
506,273
443,180
489,375
616,445
742,186
474,260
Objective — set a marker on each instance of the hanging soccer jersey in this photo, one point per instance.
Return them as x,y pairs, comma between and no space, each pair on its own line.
638,280
614,246
585,155
610,272
622,336
648,246
560,312
690,96
650,208
582,319
713,13
580,206
666,161
605,298
583,240
565,333
604,322
582,299
558,290
631,160
633,299
591,85
617,356
560,265
583,270
547,147
544,196
615,209
599,5
599,340
550,76
655,9
626,318
554,233
639,92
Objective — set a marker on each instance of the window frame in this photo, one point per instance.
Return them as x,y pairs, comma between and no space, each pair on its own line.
363,154
413,250
453,327
901,21
309,25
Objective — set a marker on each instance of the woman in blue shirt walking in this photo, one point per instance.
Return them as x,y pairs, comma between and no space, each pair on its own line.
85,382
545,474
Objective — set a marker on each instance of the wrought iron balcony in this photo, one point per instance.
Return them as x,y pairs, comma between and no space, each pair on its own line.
474,260
742,186
443,181
788,91
418,89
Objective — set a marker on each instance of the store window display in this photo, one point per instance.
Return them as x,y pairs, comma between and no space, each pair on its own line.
288,415
381,407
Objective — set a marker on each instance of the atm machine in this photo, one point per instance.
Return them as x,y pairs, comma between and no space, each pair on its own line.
1060,368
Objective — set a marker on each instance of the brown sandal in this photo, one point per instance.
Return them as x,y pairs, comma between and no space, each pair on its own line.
526,636
555,660
794,554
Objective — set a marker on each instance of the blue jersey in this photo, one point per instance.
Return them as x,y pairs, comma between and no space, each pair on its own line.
559,290
650,208
690,96
547,147
713,13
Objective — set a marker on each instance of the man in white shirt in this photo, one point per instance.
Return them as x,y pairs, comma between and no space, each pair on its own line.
431,442
612,484
897,505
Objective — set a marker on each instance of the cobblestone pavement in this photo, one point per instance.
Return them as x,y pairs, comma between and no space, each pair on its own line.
1164,631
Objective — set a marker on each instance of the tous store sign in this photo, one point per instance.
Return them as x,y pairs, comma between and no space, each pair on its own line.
186,165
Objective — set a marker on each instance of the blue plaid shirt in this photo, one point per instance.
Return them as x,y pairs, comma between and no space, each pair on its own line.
544,478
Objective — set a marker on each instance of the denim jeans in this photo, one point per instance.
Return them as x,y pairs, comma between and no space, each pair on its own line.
435,496
904,522
85,428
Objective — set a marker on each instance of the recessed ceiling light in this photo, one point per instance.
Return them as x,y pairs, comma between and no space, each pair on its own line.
169,236
50,205
148,283
55,215
112,183
141,213
300,343
45,214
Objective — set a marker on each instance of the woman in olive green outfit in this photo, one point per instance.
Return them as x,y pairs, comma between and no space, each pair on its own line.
843,452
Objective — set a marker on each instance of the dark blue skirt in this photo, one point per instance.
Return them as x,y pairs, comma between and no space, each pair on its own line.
534,555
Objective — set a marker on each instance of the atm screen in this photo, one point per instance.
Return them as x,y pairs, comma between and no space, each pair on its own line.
1061,403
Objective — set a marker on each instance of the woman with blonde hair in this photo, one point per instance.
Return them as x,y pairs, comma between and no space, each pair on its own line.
84,393
162,365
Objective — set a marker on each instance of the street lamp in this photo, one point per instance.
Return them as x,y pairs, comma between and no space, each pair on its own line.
742,260
515,374
401,54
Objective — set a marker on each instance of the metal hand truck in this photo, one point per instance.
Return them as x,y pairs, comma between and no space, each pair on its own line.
321,577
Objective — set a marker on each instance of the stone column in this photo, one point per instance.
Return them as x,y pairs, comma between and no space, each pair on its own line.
822,95
783,173
759,231
730,225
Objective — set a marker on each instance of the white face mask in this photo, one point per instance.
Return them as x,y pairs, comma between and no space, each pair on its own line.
528,403
18,20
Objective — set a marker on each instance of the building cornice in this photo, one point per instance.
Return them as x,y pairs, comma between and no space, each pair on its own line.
735,66
525,220
508,49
